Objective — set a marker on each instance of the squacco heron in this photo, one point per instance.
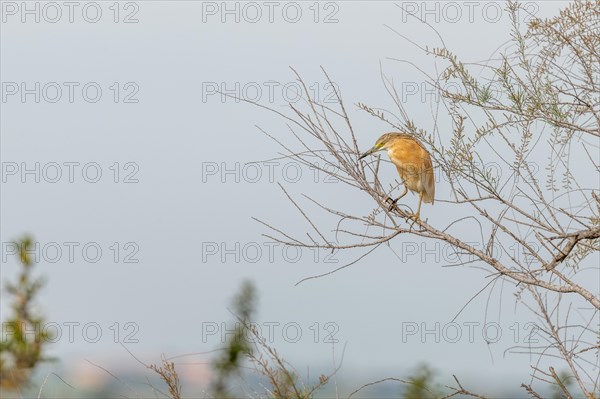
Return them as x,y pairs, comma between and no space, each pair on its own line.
413,163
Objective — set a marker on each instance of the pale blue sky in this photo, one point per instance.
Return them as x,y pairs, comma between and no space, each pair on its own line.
174,140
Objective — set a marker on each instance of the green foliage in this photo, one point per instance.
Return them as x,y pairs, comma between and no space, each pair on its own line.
24,339
247,344
421,384
563,383
238,347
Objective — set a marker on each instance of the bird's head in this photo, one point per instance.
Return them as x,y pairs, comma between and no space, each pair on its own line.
382,143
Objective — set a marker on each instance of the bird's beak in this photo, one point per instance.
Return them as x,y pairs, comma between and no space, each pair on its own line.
371,151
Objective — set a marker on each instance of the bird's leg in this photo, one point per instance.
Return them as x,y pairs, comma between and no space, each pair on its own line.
393,201
403,194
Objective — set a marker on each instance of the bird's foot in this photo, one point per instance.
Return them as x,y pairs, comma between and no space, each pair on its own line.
414,216
392,203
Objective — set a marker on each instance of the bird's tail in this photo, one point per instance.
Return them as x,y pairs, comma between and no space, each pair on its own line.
428,197
429,187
